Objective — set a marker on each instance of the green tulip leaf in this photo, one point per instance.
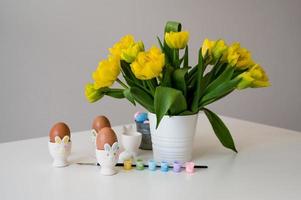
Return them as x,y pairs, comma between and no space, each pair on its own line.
151,86
168,100
143,98
115,93
219,91
179,79
215,99
185,57
165,50
131,83
218,70
167,74
175,58
224,77
199,76
160,43
170,54
204,83
238,72
127,73
172,26
220,130
192,76
127,94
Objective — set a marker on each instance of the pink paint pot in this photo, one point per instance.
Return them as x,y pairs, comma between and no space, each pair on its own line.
189,167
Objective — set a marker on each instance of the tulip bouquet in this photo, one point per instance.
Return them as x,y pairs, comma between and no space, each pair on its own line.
162,80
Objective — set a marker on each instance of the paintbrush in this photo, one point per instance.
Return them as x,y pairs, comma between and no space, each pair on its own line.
134,165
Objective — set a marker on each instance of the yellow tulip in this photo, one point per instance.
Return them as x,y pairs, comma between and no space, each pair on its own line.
127,49
148,64
129,54
124,43
207,47
239,57
214,49
92,94
177,40
106,72
219,49
255,77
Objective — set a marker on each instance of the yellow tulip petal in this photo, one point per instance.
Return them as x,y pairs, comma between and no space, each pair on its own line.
106,72
177,40
148,64
255,77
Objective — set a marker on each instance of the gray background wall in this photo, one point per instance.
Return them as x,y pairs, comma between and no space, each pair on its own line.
48,50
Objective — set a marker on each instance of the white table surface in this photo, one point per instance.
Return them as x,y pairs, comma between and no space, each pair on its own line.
268,166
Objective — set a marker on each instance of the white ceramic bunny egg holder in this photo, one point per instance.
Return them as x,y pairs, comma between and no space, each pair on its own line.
60,150
108,158
131,141
93,137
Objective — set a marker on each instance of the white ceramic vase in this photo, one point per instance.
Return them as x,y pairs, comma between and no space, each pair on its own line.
173,139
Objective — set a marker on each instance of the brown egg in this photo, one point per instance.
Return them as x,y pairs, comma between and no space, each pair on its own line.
100,122
59,129
106,135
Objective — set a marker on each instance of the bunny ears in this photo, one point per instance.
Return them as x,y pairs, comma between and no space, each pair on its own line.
128,128
108,148
65,140
94,132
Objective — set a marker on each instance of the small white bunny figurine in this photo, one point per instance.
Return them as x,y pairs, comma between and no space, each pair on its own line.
60,150
108,158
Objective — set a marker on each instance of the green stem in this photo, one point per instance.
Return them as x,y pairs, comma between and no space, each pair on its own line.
151,87
121,83
175,57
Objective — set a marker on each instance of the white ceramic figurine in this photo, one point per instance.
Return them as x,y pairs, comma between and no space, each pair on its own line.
131,141
60,150
108,158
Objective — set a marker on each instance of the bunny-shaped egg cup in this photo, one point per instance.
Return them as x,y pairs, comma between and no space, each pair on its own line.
60,150
108,158
131,141
93,137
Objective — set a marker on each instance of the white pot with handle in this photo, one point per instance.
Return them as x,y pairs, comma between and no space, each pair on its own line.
173,139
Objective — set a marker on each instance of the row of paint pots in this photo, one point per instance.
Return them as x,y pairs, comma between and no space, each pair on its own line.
164,166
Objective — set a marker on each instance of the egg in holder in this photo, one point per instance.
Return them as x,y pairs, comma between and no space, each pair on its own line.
59,144
108,158
107,151
60,150
99,123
